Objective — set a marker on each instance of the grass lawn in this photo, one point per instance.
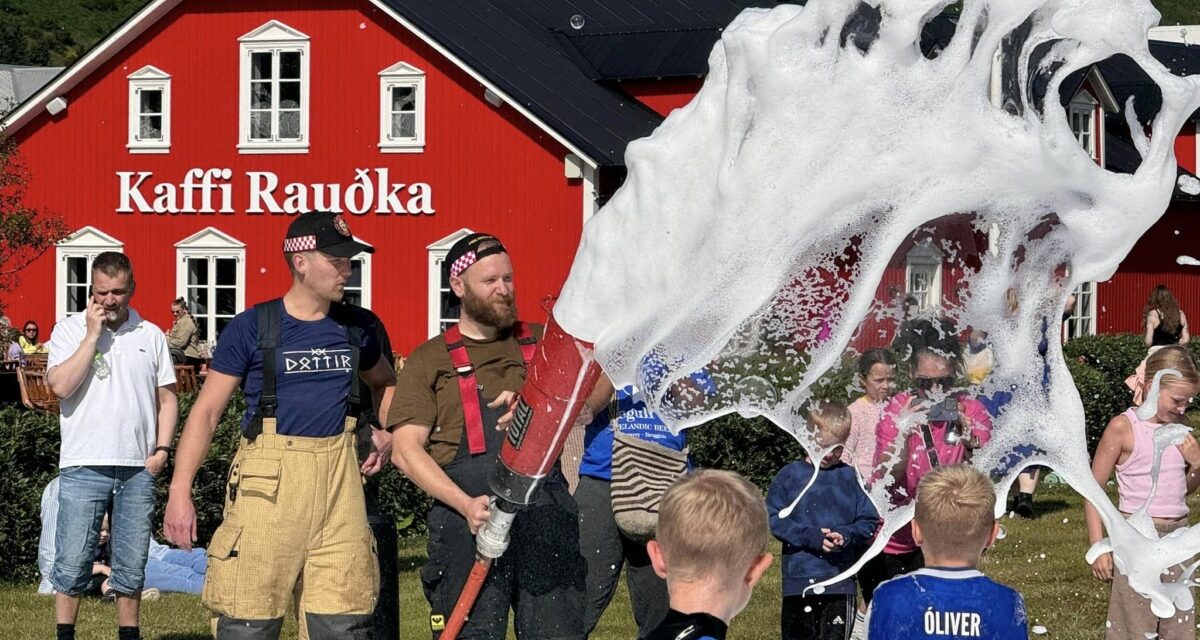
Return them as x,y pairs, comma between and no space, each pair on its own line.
1043,558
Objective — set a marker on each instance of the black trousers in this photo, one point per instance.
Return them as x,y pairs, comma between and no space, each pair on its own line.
540,578
884,567
817,617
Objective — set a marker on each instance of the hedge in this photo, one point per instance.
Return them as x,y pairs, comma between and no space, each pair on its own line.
29,445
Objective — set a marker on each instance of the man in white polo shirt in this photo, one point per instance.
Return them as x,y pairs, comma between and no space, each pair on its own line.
112,372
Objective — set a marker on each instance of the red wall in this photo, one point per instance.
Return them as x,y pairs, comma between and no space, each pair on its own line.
1185,146
489,169
1152,262
663,96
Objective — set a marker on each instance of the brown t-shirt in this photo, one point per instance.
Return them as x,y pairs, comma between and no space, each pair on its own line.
427,392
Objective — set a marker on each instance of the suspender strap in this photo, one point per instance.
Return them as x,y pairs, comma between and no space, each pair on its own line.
930,451
269,328
341,314
467,389
524,336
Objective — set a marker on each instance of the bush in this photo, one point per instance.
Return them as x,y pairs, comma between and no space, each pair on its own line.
29,446
754,447
1100,403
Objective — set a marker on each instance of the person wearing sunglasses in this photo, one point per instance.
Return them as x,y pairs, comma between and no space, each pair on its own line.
933,424
29,339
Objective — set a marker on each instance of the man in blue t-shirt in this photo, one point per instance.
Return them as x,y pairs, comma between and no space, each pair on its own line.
949,598
294,513
606,547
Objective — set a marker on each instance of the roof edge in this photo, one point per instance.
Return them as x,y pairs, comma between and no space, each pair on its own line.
71,76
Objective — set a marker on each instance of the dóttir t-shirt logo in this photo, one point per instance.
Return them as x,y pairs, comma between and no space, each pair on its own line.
316,361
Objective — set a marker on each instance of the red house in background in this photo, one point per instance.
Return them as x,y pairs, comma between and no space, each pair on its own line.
190,136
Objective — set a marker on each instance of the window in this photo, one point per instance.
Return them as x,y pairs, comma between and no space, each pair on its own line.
1082,115
358,287
923,277
73,268
440,297
401,109
273,96
211,276
1081,319
149,111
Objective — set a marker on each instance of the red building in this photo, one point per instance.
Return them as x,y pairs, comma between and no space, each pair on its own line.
190,136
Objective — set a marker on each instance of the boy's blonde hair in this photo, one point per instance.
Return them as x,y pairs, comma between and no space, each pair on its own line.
1172,357
830,416
955,510
712,524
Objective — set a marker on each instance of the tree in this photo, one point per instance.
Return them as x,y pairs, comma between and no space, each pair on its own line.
25,233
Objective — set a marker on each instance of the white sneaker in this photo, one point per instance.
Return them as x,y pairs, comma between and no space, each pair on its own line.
150,595
860,627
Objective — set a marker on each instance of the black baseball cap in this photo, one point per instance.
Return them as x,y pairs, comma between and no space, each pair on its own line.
323,231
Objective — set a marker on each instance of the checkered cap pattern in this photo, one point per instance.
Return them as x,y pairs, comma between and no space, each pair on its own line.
460,265
299,243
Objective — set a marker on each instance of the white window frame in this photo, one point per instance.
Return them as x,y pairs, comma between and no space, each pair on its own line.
211,243
924,256
401,74
365,259
86,243
437,255
1083,315
1083,105
149,78
273,37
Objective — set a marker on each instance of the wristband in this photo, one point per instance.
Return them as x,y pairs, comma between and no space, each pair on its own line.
169,450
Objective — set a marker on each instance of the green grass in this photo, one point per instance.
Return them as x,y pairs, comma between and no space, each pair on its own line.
1042,558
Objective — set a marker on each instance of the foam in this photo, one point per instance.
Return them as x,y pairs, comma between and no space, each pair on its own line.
753,235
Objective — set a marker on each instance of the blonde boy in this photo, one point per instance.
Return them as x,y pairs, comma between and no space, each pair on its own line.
954,523
711,548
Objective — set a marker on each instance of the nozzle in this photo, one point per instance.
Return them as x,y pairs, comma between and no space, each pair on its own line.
492,540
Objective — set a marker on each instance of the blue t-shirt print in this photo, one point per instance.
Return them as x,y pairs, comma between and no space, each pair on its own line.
313,365
946,603
635,419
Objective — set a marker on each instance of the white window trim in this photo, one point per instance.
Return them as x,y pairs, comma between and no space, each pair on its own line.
366,273
925,254
211,242
152,78
1084,104
87,242
401,74
274,36
437,255
1091,310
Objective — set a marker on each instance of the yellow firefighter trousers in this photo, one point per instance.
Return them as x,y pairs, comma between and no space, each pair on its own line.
294,512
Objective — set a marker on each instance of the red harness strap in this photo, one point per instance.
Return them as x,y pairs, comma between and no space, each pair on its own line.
467,387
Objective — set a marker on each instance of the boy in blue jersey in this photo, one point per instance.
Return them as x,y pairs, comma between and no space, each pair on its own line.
823,533
949,598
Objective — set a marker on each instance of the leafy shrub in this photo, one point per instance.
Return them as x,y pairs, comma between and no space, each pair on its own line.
29,446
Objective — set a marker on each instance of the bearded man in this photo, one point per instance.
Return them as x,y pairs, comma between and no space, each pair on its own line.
450,409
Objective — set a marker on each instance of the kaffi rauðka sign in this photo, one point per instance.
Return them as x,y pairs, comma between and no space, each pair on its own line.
212,191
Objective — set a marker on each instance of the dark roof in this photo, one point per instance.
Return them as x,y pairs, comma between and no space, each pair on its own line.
532,52
1126,78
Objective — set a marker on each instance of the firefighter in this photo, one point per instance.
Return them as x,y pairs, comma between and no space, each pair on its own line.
449,410
294,509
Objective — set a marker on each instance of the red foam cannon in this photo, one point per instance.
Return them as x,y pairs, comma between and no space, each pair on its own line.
560,377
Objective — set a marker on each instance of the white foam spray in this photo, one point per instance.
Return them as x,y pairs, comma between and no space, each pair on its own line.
756,235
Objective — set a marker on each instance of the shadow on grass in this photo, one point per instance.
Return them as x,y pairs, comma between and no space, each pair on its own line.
185,636
1043,508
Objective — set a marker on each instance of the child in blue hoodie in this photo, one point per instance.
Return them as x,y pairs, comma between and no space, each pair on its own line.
823,534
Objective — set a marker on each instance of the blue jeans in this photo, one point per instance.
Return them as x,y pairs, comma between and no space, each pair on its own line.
175,569
46,541
84,495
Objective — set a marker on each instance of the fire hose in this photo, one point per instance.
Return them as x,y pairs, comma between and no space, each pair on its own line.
560,377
